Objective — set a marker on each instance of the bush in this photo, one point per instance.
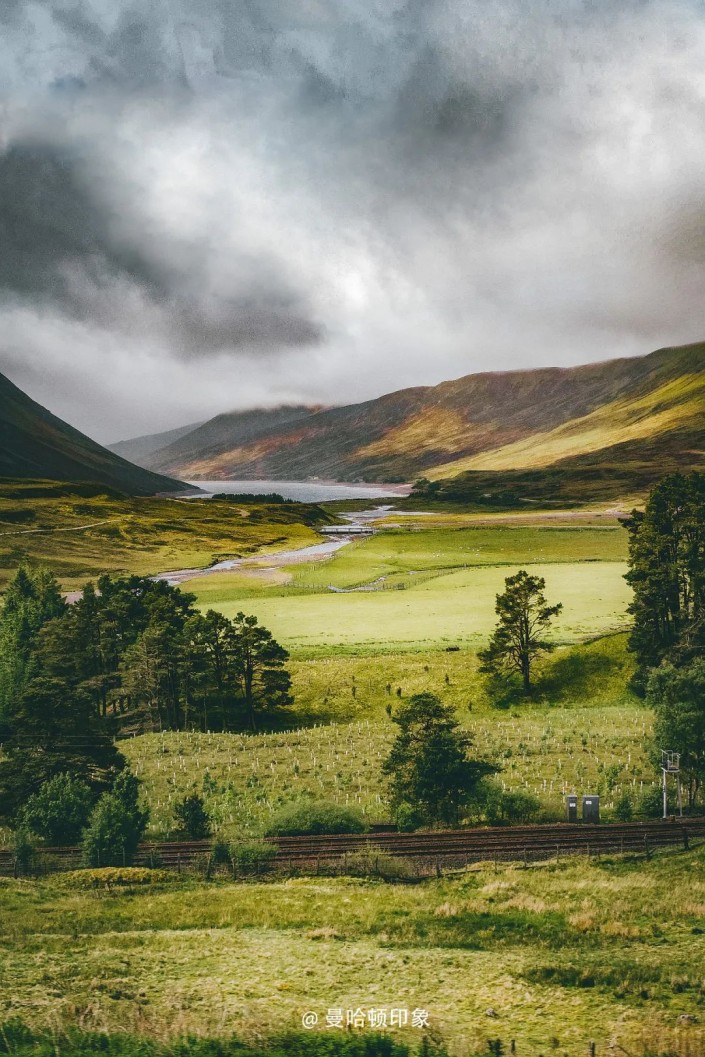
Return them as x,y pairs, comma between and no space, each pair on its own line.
115,826
254,857
623,809
192,818
505,808
24,852
305,819
59,811
375,862
117,876
651,803
407,818
220,853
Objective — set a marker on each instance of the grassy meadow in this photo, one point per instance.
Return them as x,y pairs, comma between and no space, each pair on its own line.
425,587
583,730
562,952
355,652
609,950
79,538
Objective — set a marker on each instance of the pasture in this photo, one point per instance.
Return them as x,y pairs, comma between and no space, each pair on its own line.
453,609
560,952
583,731
425,588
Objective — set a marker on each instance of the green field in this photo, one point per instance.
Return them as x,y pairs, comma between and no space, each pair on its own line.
583,731
456,609
421,548
429,588
563,953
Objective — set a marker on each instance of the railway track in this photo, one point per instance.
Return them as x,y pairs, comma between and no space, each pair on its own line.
429,850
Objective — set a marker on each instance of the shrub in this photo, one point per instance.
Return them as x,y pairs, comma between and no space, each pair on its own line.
375,862
303,819
623,809
192,818
505,808
59,811
117,876
651,803
24,852
220,853
407,818
254,857
115,826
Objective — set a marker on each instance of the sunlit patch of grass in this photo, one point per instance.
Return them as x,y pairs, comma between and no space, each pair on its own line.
80,537
456,609
591,738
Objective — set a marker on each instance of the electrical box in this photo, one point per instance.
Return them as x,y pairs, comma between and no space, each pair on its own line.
591,809
571,803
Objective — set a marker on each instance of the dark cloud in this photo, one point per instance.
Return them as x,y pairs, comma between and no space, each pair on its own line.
62,245
318,200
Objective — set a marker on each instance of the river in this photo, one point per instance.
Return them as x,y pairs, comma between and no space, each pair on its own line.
279,559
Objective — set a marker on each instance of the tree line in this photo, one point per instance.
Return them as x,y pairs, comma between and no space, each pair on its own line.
667,575
130,653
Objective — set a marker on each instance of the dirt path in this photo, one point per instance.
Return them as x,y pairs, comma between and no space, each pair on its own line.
70,528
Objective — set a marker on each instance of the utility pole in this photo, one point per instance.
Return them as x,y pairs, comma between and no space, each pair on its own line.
671,764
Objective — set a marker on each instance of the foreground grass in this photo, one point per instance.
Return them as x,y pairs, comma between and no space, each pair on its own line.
16,1038
607,950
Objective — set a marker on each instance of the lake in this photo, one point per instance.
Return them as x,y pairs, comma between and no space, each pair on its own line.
306,491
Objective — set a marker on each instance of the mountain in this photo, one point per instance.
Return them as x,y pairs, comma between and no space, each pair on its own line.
238,430
642,412
140,448
36,444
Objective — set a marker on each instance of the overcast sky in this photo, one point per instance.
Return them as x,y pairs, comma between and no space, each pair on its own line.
218,204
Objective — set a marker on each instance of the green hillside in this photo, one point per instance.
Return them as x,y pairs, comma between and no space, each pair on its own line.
34,444
575,420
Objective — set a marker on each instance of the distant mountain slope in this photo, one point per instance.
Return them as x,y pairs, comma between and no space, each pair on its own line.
492,422
140,448
36,444
634,417
237,429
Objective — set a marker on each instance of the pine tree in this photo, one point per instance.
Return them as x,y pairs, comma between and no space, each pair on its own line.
263,681
432,775
54,730
667,574
32,599
524,618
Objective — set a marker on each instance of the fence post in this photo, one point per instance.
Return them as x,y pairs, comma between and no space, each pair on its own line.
686,845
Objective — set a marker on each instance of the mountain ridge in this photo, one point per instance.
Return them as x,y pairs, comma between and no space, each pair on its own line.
37,445
508,421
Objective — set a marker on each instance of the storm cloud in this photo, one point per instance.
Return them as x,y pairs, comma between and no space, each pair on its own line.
207,205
